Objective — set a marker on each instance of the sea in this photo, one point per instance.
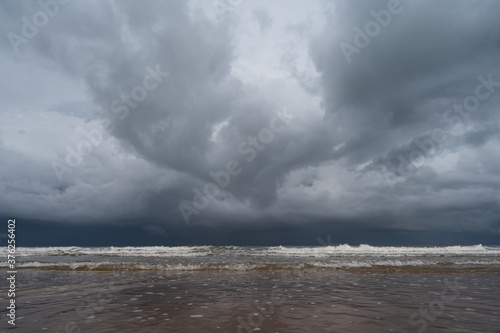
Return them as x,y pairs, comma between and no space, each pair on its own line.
338,288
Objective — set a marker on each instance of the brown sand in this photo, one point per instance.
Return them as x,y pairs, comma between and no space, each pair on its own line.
269,301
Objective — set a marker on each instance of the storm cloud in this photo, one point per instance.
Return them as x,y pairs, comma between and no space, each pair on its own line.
171,116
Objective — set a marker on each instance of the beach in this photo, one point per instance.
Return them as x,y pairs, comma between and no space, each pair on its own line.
243,166
236,289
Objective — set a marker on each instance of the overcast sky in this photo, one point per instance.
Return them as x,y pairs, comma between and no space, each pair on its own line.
184,121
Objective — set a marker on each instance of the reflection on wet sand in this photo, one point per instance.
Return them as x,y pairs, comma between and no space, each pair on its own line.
268,301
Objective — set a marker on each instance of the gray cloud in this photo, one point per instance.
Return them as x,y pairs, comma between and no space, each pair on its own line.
338,161
263,18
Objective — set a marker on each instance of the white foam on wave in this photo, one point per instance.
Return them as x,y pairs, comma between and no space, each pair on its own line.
279,251
385,251
129,251
359,263
111,266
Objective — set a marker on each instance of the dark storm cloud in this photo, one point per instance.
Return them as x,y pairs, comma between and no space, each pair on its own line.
380,150
395,92
428,52
112,46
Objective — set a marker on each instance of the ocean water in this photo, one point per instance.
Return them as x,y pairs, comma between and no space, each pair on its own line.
256,289
233,258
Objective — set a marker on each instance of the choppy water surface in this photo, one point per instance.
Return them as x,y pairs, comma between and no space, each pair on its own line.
267,289
306,300
258,258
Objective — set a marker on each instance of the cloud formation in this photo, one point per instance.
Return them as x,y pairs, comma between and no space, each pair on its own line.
157,98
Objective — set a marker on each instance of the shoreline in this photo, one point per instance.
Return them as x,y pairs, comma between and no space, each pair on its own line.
271,301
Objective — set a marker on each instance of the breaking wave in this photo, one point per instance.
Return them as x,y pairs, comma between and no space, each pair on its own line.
234,258
197,251
253,266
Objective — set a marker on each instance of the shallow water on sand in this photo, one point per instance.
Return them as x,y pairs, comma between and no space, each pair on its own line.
307,300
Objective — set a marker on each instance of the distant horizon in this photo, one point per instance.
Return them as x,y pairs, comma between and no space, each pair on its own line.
250,122
200,245
32,233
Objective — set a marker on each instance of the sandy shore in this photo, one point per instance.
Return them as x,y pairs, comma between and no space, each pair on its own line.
269,301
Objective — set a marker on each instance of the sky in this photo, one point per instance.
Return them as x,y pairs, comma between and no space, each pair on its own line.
250,122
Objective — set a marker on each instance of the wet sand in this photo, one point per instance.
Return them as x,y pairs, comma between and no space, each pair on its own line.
265,301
